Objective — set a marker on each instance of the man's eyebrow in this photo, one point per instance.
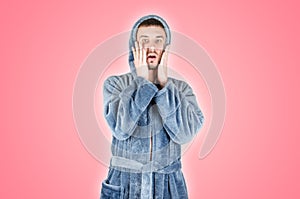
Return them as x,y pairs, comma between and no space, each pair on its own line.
144,36
160,36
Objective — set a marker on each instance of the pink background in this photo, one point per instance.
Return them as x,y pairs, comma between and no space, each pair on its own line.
255,46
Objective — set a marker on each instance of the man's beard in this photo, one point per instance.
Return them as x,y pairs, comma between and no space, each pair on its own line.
152,67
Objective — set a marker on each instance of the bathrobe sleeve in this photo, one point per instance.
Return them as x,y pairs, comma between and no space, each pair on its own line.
124,102
177,105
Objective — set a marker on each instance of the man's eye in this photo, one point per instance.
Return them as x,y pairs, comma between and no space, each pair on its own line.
145,41
158,41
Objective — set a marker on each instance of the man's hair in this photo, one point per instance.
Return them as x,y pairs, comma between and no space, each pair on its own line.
151,22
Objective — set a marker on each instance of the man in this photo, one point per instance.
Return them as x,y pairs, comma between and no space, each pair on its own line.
151,115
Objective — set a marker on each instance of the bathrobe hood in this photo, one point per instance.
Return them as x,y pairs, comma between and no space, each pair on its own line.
133,36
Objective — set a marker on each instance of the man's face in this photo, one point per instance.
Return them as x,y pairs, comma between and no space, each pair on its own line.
153,39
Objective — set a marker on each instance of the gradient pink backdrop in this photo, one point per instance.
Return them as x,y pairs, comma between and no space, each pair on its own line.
254,44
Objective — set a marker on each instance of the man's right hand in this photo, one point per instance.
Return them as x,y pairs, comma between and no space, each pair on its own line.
140,61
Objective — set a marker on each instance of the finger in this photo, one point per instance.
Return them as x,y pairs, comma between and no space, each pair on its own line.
144,57
133,52
166,54
167,47
165,60
140,53
137,52
162,59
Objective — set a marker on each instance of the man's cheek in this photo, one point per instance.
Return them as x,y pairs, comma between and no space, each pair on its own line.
141,44
159,53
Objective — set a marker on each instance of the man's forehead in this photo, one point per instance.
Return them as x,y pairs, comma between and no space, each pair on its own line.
156,31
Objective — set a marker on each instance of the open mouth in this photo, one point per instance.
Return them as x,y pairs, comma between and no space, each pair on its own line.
151,57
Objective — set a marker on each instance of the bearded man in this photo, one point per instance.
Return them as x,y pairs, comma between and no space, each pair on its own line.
150,115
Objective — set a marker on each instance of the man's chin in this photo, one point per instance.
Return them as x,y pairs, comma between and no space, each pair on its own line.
152,66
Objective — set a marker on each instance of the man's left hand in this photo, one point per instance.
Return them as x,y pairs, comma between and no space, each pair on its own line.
162,73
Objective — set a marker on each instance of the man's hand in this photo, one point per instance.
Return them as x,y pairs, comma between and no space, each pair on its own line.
140,61
162,73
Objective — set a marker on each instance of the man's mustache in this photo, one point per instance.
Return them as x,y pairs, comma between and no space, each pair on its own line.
152,53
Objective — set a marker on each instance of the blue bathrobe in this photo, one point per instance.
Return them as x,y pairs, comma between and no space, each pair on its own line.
148,126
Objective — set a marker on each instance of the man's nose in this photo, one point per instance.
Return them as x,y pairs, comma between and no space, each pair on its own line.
151,48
